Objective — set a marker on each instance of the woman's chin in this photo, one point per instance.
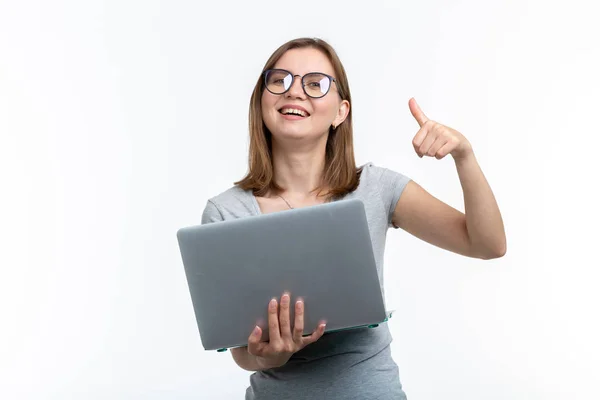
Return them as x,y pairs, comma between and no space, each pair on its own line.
298,132
295,134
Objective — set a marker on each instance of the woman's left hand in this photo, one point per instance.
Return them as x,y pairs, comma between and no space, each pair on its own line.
437,140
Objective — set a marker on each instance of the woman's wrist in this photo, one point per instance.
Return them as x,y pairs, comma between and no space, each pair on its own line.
265,363
250,362
244,359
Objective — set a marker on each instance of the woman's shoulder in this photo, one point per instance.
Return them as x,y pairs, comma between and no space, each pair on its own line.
233,194
229,204
387,182
371,171
369,168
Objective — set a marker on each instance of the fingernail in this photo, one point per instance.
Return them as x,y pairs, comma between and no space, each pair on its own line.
273,303
285,299
255,331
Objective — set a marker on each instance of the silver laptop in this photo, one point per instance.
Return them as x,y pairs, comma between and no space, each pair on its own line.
321,253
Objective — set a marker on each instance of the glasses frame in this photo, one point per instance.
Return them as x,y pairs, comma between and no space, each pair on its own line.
331,81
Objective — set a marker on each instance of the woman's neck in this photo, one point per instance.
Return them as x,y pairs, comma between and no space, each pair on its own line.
299,171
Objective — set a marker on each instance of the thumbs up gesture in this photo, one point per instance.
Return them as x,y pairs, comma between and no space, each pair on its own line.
437,140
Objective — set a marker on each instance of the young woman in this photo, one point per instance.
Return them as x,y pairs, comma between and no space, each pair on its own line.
301,154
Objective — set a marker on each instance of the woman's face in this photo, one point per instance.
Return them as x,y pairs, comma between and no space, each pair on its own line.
321,113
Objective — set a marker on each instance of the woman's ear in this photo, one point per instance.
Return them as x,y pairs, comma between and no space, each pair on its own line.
342,113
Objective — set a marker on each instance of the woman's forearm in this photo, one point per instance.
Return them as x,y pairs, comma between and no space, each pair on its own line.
484,221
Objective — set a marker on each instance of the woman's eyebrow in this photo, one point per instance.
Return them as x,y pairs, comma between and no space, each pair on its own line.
309,72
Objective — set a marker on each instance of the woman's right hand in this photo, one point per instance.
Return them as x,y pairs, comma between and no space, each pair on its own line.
282,341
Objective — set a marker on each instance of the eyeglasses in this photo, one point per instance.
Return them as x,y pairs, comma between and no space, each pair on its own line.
314,84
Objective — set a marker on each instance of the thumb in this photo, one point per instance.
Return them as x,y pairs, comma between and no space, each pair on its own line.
417,112
255,346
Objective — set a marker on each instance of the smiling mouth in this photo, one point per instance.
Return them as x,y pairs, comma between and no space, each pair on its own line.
293,111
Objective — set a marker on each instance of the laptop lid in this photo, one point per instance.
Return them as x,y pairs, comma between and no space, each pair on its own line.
322,254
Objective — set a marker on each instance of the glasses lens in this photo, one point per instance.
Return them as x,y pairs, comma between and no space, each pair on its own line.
316,84
278,81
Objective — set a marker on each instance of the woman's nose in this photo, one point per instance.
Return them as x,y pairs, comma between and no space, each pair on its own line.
296,90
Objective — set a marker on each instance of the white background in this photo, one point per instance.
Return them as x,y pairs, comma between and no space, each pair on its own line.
119,119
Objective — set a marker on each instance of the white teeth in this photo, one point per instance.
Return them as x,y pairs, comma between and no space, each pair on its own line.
293,111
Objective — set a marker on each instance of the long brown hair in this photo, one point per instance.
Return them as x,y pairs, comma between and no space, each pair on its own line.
340,173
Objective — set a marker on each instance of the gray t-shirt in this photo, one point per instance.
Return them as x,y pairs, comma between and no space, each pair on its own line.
352,364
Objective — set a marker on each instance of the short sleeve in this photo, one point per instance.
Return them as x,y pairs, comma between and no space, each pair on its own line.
211,213
391,186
